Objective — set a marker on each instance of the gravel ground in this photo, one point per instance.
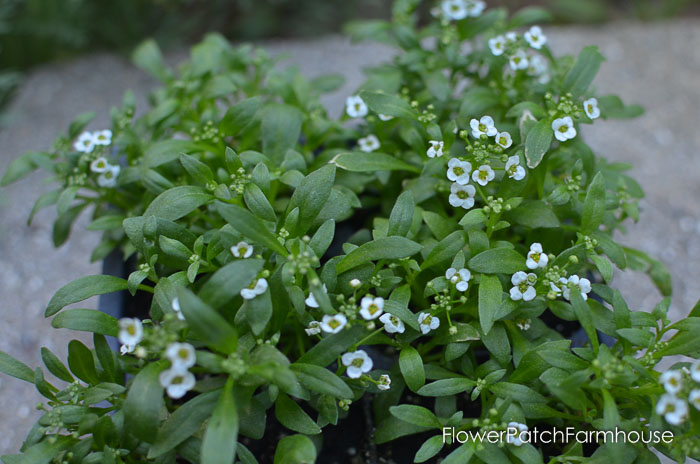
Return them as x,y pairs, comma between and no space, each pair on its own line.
652,64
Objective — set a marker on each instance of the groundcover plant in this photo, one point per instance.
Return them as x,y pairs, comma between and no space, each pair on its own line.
420,251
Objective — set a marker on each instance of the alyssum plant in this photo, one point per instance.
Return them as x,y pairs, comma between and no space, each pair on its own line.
421,258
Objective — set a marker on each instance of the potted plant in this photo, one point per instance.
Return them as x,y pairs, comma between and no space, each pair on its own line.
475,213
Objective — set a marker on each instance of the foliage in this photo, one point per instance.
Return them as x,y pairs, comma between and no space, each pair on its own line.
286,252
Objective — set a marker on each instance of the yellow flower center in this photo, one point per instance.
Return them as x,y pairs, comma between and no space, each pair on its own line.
373,308
483,175
183,353
458,170
334,324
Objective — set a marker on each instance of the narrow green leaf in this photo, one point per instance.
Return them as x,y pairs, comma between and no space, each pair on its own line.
320,380
257,203
538,141
239,116
311,196
295,449
227,282
411,366
15,368
221,434
534,214
593,205
447,387
86,320
178,202
497,261
416,415
290,414
401,216
445,250
211,327
281,127
82,289
584,70
199,171
55,366
490,296
372,162
382,248
81,362
250,226
390,105
584,316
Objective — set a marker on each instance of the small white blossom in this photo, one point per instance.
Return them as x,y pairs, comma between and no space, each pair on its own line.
583,284
311,300
369,144
314,328
176,307
513,168
355,283
427,322
176,382
124,349
85,143
524,324
455,9
475,8
435,149
358,363
99,165
694,398
371,308
590,106
130,331
511,36
355,107
483,175
674,410
504,139
523,286
482,126
242,250
535,37
181,355
103,137
462,196
458,171
392,324
536,257
695,370
333,324
537,67
384,117
108,178
459,277
497,45
564,129
514,433
257,287
384,382
672,381
519,61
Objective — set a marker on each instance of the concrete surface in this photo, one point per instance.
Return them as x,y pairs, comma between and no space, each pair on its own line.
653,64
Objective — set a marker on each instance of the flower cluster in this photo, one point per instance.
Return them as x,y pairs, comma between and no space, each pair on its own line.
673,405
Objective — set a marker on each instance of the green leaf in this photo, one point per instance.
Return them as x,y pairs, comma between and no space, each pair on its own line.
147,56
447,387
372,162
476,101
199,171
411,366
323,238
638,337
165,151
226,283
87,320
239,116
106,357
657,270
257,203
402,312
490,296
497,261
15,368
183,423
473,217
329,348
295,449
310,197
584,70
416,415
320,380
178,202
81,362
429,448
107,222
584,316
538,141
593,205
390,105
19,167
206,323
221,434
54,365
534,214
250,226
290,414
258,312
382,248
144,403
281,127
518,392
82,289
401,217
604,267
445,250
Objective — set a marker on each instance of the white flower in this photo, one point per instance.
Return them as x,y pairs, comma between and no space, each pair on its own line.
504,139
333,324
536,257
176,307
181,355
674,410
590,106
126,349
455,9
109,177
384,117
257,287
85,143
523,286
497,45
519,60
554,290
524,324
176,382
459,277
511,36
368,144
311,300
371,308
513,168
483,175
458,171
564,129
358,362
428,322
475,8
103,137
242,250
392,324
672,381
535,37
355,283
435,149
99,165
384,382
485,125
695,370
462,196
355,107
314,328
694,398
515,432
583,284
537,67
130,331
